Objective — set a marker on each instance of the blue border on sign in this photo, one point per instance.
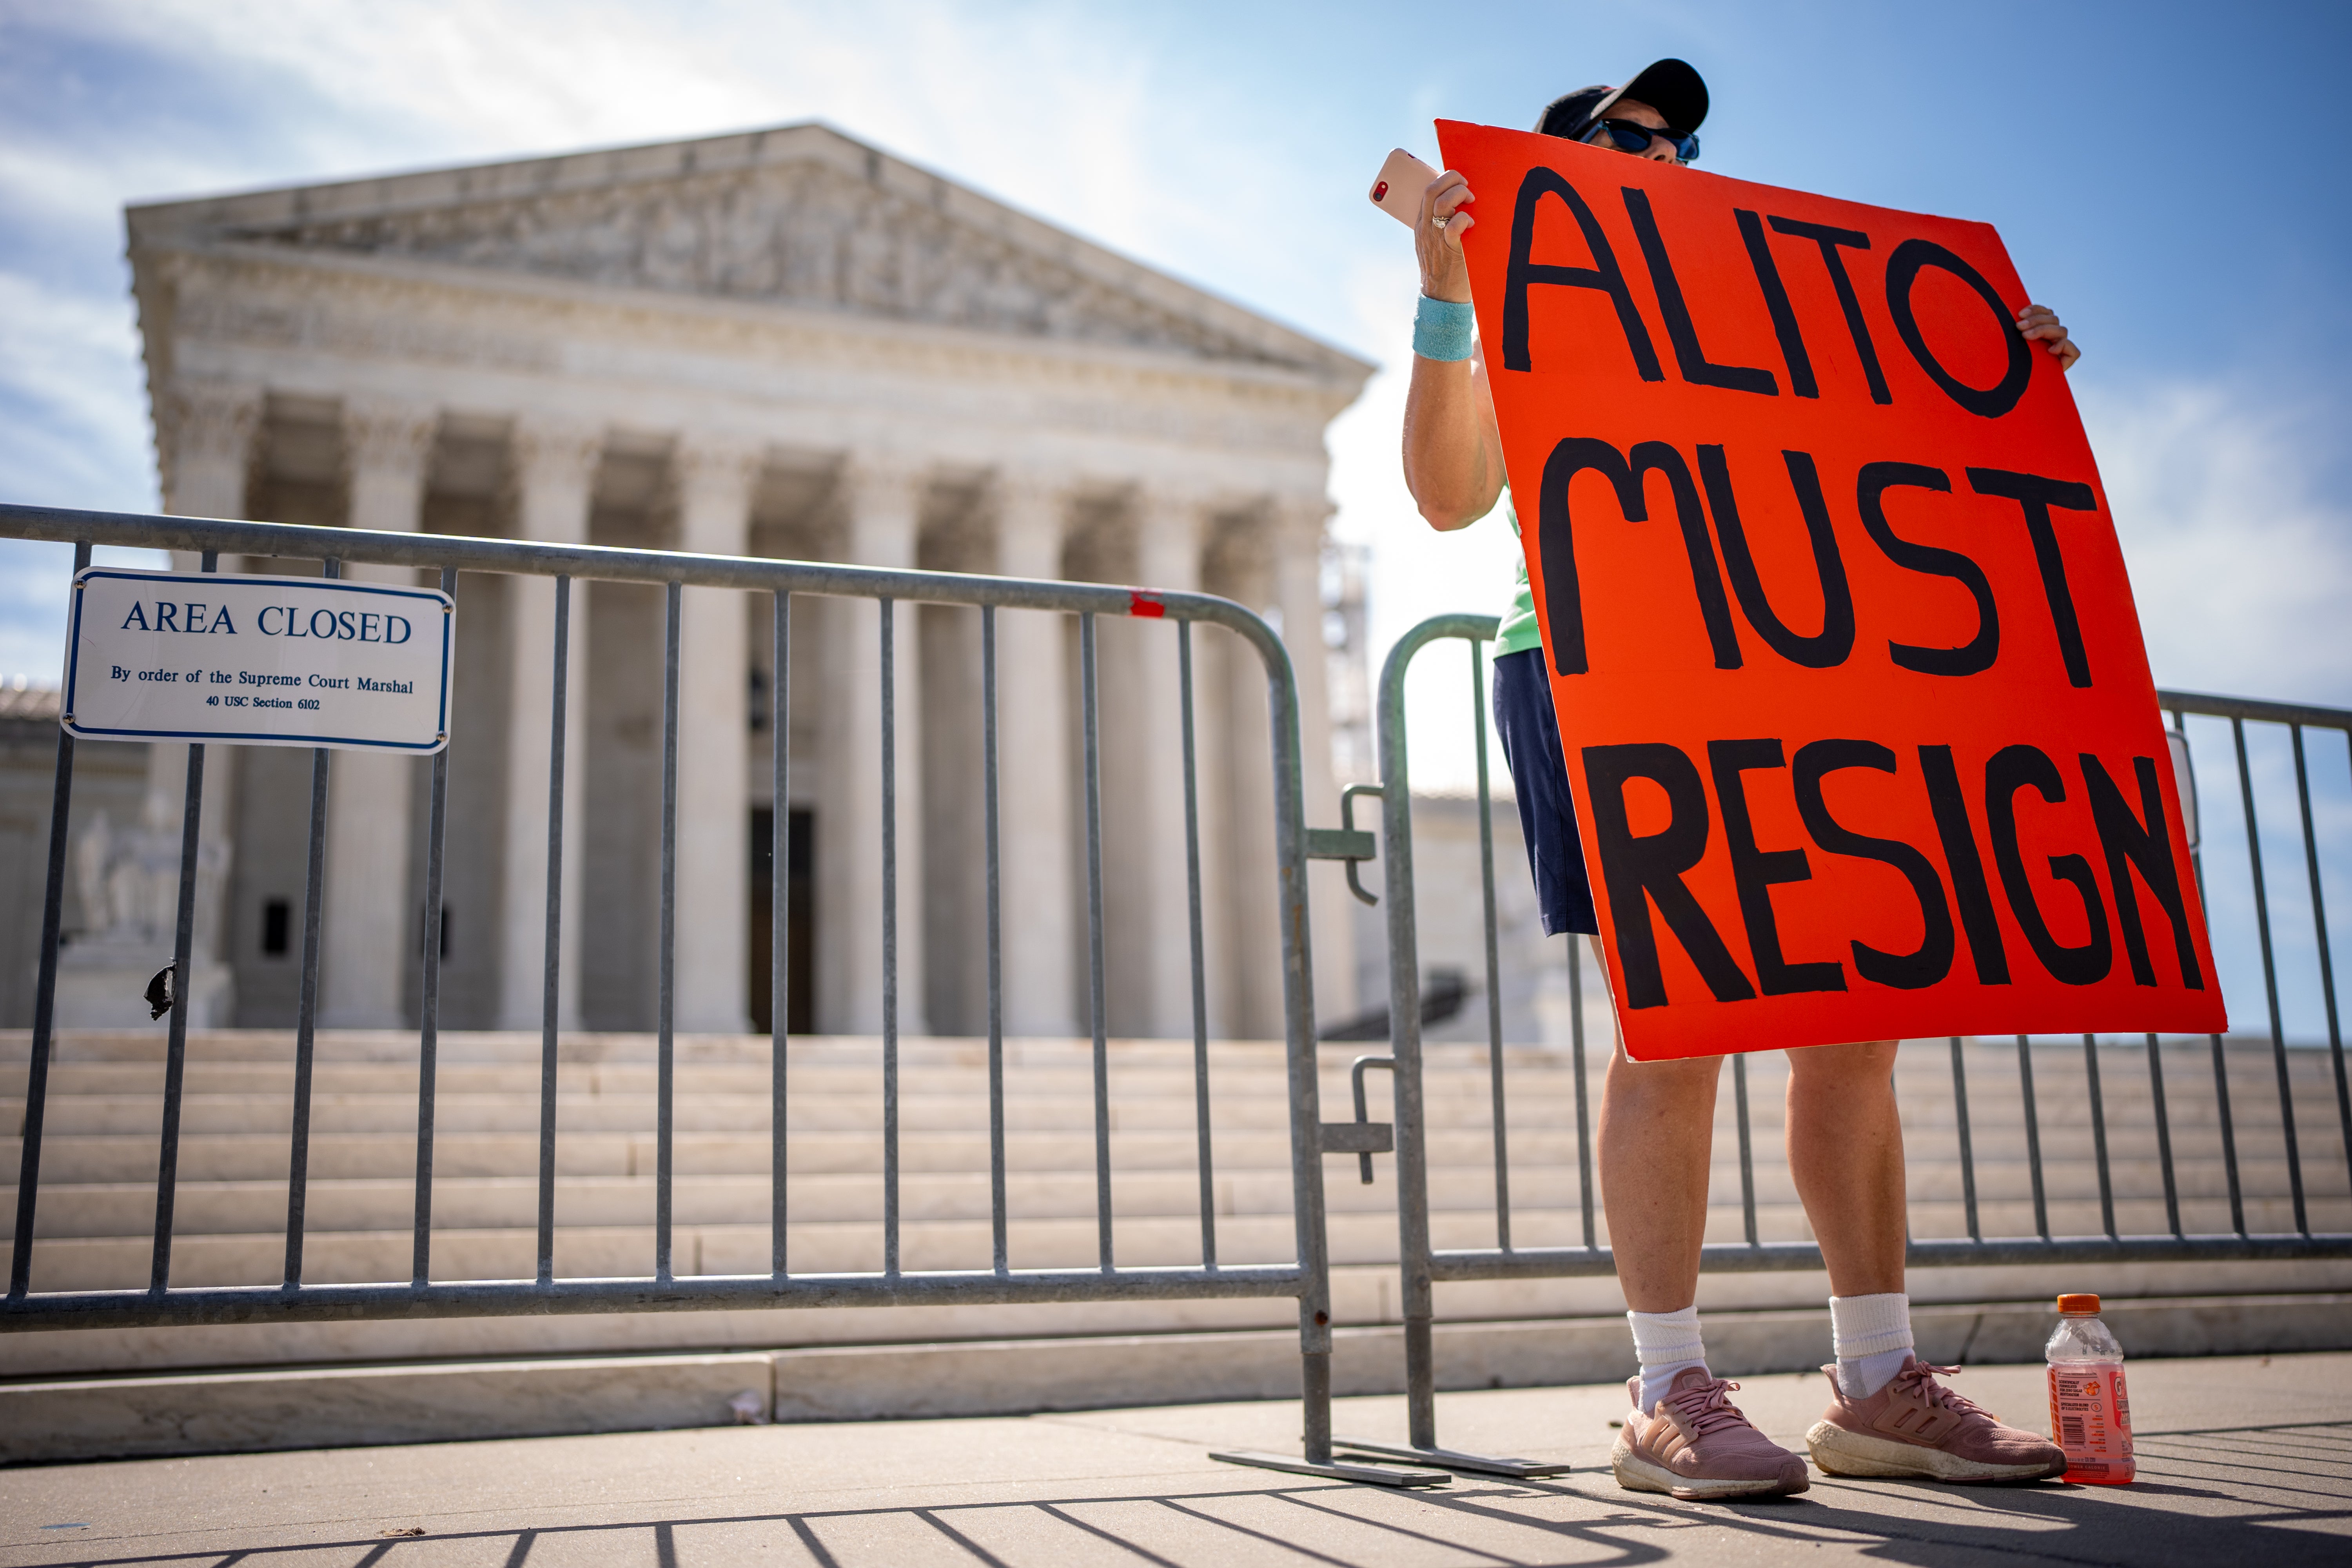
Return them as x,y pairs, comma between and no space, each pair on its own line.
253,737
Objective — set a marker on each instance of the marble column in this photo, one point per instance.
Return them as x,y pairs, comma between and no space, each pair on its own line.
209,449
715,478
1168,556
1220,738
554,473
1249,904
370,927
1039,890
882,497
207,446
1297,533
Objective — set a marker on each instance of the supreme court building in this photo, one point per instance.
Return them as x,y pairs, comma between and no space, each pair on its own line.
783,343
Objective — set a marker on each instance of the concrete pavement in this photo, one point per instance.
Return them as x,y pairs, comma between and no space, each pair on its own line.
2242,1461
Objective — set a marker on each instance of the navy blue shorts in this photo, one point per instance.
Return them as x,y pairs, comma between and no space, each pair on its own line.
1530,731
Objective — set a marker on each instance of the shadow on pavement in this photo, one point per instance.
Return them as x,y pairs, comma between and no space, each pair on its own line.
2279,1495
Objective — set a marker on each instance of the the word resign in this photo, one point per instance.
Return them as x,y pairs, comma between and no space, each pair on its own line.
328,626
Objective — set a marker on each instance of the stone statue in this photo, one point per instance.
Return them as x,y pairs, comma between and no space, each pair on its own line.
127,880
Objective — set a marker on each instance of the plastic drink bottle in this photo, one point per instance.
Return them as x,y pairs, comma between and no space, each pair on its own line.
2090,1414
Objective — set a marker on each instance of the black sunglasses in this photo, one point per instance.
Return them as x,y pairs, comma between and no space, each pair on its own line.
1629,136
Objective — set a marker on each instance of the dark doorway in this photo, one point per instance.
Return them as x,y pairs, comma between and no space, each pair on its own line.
800,909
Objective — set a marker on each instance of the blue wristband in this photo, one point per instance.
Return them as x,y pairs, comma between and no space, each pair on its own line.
1441,329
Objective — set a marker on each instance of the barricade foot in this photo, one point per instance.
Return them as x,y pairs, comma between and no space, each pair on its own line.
1448,1459
1338,1470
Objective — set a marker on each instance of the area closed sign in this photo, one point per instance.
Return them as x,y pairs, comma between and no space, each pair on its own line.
1854,702
257,661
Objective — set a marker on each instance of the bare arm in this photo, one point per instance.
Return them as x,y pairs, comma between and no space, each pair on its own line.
1453,451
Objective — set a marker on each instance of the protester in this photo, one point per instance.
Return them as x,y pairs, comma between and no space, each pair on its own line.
1888,1414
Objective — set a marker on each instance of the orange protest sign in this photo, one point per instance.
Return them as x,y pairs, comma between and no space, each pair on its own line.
1856,712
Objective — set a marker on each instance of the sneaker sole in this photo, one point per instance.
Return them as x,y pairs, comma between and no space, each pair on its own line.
1841,1452
1636,1474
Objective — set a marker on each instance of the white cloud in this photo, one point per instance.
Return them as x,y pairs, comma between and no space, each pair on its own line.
70,378
1060,118
2241,563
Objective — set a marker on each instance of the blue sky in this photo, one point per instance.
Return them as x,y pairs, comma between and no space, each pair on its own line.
2172,176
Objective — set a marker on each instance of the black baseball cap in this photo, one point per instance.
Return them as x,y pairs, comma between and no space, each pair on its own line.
1671,86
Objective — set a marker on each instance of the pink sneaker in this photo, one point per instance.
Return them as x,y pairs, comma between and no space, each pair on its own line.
1917,1426
1695,1445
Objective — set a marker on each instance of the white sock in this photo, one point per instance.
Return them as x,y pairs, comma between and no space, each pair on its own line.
1665,1342
1873,1336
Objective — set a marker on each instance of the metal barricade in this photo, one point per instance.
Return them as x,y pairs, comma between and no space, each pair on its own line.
1423,1265
1305,1278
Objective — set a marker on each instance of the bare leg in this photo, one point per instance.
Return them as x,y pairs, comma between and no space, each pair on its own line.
1845,1151
1657,1127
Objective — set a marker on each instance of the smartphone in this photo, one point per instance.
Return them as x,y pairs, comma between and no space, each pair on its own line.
1399,189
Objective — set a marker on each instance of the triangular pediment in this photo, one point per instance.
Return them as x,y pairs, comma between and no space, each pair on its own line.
803,216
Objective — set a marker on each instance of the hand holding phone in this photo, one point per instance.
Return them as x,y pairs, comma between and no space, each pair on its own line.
1398,190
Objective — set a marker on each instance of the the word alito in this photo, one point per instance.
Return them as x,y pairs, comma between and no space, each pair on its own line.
1910,258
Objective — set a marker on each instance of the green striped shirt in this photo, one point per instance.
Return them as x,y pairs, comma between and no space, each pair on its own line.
1518,631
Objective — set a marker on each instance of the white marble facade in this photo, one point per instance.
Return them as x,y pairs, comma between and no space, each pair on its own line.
783,343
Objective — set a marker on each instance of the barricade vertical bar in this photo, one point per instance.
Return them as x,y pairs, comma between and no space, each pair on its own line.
1747,1153
2319,930
889,941
1417,1291
1494,964
1967,1147
2220,1058
1312,1236
2099,1134
45,1005
2033,1136
2229,1135
428,1006
1203,1159
780,924
306,1013
551,964
665,1039
1583,1091
175,1047
998,1251
2270,980
1090,722
2163,1136
306,1021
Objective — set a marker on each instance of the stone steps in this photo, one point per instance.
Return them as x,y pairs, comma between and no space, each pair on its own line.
119,1209
99,1160
66,1418
86,1263
130,1157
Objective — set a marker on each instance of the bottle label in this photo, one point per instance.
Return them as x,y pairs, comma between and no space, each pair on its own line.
2090,1418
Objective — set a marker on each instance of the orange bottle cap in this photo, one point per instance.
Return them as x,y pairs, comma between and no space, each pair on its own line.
2081,1303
